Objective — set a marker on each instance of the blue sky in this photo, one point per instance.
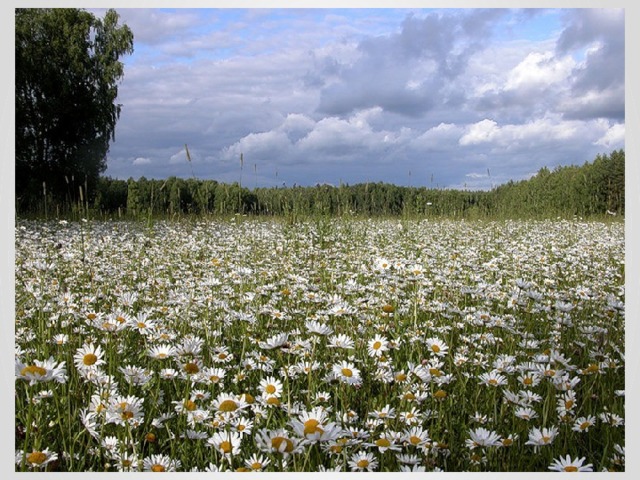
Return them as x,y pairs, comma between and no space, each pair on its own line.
448,98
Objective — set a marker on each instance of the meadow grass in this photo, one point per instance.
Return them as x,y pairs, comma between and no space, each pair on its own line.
326,345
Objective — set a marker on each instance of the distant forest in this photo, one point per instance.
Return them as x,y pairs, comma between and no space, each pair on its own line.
593,189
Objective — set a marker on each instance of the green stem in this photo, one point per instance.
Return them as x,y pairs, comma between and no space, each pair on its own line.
63,434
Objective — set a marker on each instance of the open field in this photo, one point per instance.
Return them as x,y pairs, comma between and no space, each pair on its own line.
329,344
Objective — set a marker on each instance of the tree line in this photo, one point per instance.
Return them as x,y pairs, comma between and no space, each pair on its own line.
593,189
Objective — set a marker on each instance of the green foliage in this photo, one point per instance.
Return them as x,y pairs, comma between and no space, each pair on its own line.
592,189
595,188
133,197
67,71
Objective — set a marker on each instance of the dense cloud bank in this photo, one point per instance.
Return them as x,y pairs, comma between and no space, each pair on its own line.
454,98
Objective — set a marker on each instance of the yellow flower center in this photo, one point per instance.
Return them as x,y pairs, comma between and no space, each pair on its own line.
142,325
225,447
256,466
568,404
347,372
528,381
162,355
120,319
364,463
570,468
383,442
228,406
190,405
36,457
593,368
91,316
585,425
222,356
270,389
377,345
414,440
435,372
249,398
312,426
388,308
150,437
493,381
440,395
89,359
282,444
273,401
435,348
507,442
409,396
158,468
400,377
33,370
546,439
191,368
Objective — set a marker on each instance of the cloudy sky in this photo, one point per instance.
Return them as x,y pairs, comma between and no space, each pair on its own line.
453,98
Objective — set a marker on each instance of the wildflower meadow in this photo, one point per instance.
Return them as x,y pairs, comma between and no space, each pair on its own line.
327,344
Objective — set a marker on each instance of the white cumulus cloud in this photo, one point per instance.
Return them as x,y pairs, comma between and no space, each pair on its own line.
441,137
613,137
259,146
481,132
539,71
141,161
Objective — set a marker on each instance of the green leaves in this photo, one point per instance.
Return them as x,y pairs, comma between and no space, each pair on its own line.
67,71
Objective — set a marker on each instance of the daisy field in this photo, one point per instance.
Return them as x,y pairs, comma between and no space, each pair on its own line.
343,344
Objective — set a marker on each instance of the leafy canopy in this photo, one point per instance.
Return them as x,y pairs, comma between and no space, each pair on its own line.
67,73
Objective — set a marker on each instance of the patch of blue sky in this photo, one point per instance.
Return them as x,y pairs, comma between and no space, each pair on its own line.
548,24
530,24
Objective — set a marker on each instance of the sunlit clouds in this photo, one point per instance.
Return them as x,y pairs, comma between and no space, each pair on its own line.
302,93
